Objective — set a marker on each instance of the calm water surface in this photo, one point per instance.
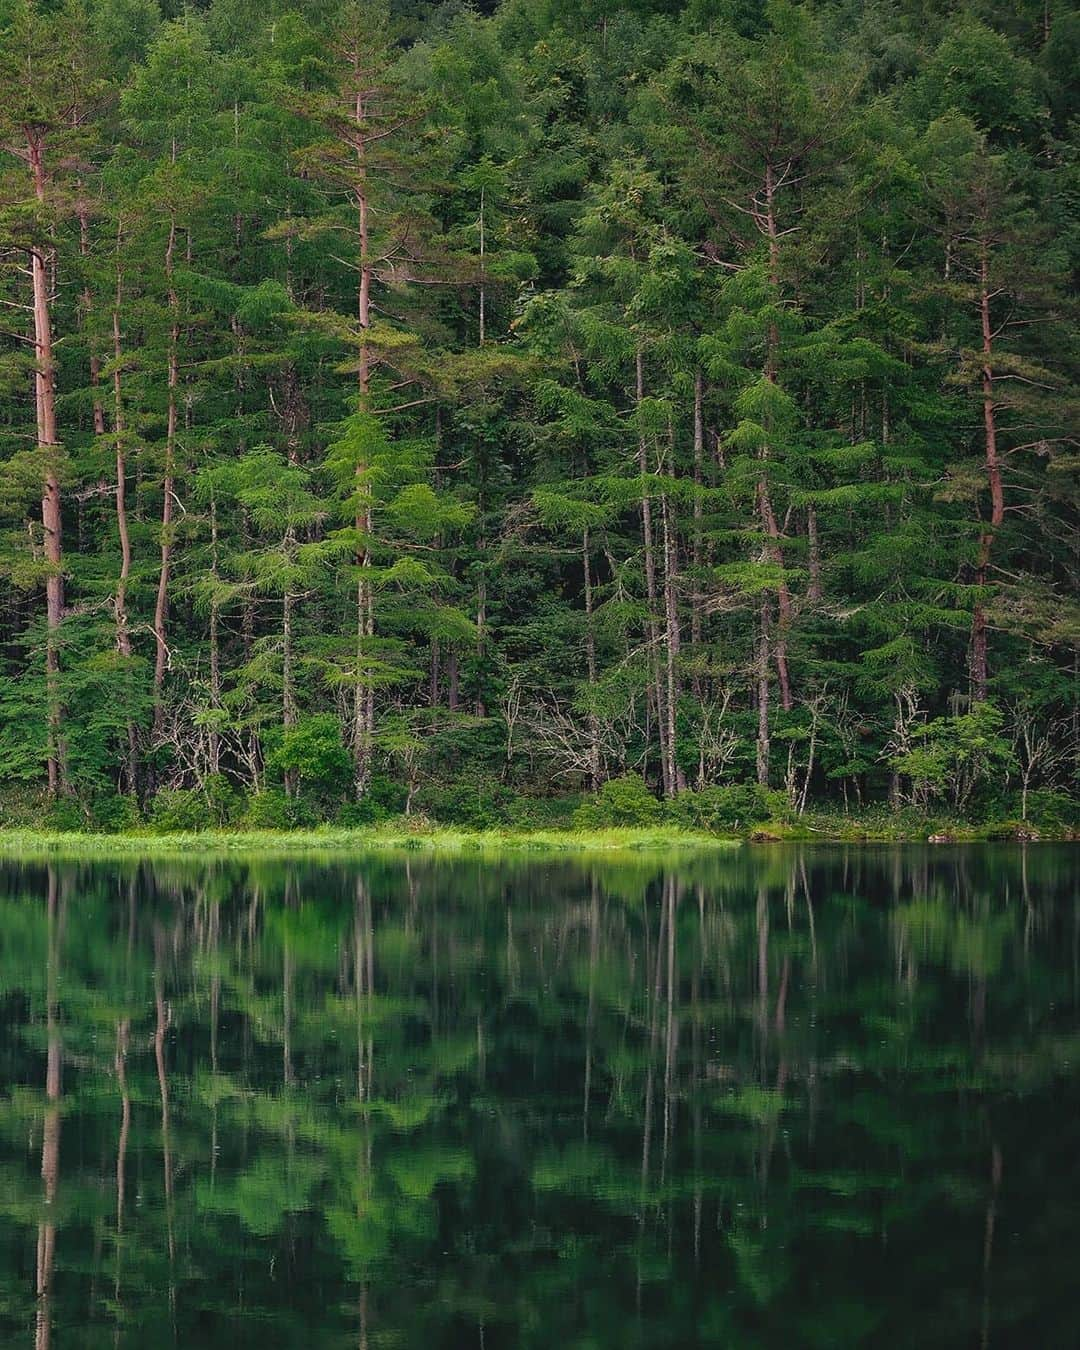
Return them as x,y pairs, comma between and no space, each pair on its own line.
777,1097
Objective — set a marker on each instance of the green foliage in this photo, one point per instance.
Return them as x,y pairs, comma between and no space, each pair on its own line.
720,809
954,756
314,753
383,799
604,392
67,813
273,809
115,814
1055,811
179,810
474,801
624,801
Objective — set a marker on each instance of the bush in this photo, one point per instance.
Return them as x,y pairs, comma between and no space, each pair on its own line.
951,757
728,808
66,813
475,803
275,810
624,801
314,753
1053,810
178,810
113,814
383,800
224,802
22,804
542,813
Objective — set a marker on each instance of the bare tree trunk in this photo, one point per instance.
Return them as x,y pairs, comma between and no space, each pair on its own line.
120,611
652,633
364,699
161,603
215,642
433,674
590,665
979,665
671,644
288,679
86,302
48,445
813,545
763,695
288,685
481,621
699,457
483,275
768,515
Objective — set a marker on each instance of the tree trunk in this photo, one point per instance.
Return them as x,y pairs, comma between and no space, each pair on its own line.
652,633
215,642
672,640
433,674
590,665
481,623
51,517
364,698
699,458
813,545
763,695
979,664
768,516
161,603
120,612
288,685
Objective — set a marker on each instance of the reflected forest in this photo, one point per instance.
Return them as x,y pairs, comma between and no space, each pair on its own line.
771,1097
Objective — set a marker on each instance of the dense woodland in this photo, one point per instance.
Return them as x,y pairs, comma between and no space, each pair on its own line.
453,410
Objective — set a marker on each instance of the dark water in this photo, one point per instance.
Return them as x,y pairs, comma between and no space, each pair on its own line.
820,1098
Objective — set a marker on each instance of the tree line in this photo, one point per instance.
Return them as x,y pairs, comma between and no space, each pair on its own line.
415,406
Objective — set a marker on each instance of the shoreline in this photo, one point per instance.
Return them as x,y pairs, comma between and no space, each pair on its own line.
21,842
358,841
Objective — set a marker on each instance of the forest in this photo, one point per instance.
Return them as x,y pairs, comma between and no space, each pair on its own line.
538,413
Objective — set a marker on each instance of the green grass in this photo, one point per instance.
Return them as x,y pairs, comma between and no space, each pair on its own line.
371,839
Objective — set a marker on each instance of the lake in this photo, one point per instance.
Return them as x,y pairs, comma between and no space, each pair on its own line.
774,1097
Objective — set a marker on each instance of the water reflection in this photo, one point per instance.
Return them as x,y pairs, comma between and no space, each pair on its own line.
781,1097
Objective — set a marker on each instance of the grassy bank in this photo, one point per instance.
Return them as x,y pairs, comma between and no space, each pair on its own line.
370,839
428,839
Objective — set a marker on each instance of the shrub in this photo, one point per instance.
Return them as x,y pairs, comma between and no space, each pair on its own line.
624,801
222,799
383,799
314,753
113,814
174,810
1053,810
475,803
542,813
23,804
274,809
953,756
66,813
728,808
